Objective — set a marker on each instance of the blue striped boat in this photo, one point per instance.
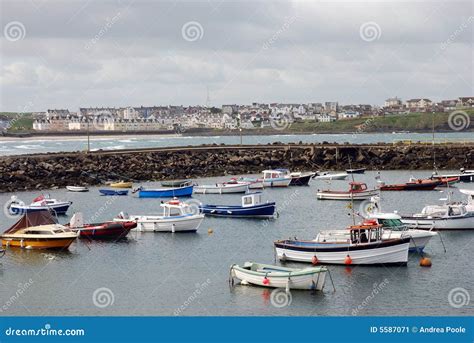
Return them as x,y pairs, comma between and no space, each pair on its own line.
252,207
167,192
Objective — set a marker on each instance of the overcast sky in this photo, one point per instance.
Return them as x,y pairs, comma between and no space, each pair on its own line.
67,54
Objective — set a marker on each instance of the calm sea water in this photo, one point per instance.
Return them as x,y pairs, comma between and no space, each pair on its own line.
165,274
48,144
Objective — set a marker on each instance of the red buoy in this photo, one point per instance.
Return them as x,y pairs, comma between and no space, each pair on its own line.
348,260
314,260
425,262
266,281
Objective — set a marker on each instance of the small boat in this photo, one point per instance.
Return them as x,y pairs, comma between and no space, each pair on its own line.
298,178
252,183
121,184
364,246
38,230
356,170
445,181
330,176
113,192
412,185
77,189
441,217
39,203
252,207
357,191
105,230
175,183
169,192
221,188
177,217
267,275
463,175
275,178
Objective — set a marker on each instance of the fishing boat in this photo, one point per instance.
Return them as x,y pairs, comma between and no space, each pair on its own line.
168,192
463,175
445,181
357,191
77,189
441,217
330,176
364,246
252,183
274,178
177,217
221,188
175,183
252,207
105,230
40,203
298,178
267,275
38,230
412,185
121,184
356,170
113,192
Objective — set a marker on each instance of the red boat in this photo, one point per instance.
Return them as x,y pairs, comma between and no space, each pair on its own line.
412,185
445,181
107,230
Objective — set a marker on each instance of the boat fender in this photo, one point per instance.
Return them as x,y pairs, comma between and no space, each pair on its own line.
314,260
425,262
265,281
283,257
210,231
348,260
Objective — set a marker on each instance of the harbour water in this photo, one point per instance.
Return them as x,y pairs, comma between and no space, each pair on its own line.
17,146
187,273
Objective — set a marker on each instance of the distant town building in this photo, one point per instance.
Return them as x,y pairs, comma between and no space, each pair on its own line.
419,105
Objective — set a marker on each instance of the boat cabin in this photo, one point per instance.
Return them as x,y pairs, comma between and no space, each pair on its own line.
273,174
389,221
357,186
252,199
175,208
444,211
365,233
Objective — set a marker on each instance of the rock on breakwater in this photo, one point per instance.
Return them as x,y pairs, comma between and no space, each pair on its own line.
26,172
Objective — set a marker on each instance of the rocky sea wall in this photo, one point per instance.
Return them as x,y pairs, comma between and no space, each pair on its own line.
46,171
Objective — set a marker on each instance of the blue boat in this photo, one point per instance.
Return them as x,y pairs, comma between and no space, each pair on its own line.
113,192
252,207
167,192
40,203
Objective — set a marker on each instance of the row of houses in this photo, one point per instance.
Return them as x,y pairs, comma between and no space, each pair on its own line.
396,105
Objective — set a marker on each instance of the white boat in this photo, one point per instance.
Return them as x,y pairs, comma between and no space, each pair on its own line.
357,191
40,203
177,217
252,183
441,217
331,176
364,246
463,175
266,275
275,178
222,188
470,199
77,189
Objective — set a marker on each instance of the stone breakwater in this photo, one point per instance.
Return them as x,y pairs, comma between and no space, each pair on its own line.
46,171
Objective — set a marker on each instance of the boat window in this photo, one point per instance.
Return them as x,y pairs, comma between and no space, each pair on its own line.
38,232
58,231
247,200
391,223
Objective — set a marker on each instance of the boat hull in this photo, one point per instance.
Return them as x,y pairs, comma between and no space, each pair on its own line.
111,230
77,189
187,223
112,192
307,281
332,177
175,183
462,223
356,171
258,211
280,182
121,185
425,186
21,209
301,180
50,243
386,252
166,193
221,189
331,195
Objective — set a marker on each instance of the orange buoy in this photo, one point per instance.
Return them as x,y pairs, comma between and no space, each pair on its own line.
425,262
348,260
266,281
210,231
314,260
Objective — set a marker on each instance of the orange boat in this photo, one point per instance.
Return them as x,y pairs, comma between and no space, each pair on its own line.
38,230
